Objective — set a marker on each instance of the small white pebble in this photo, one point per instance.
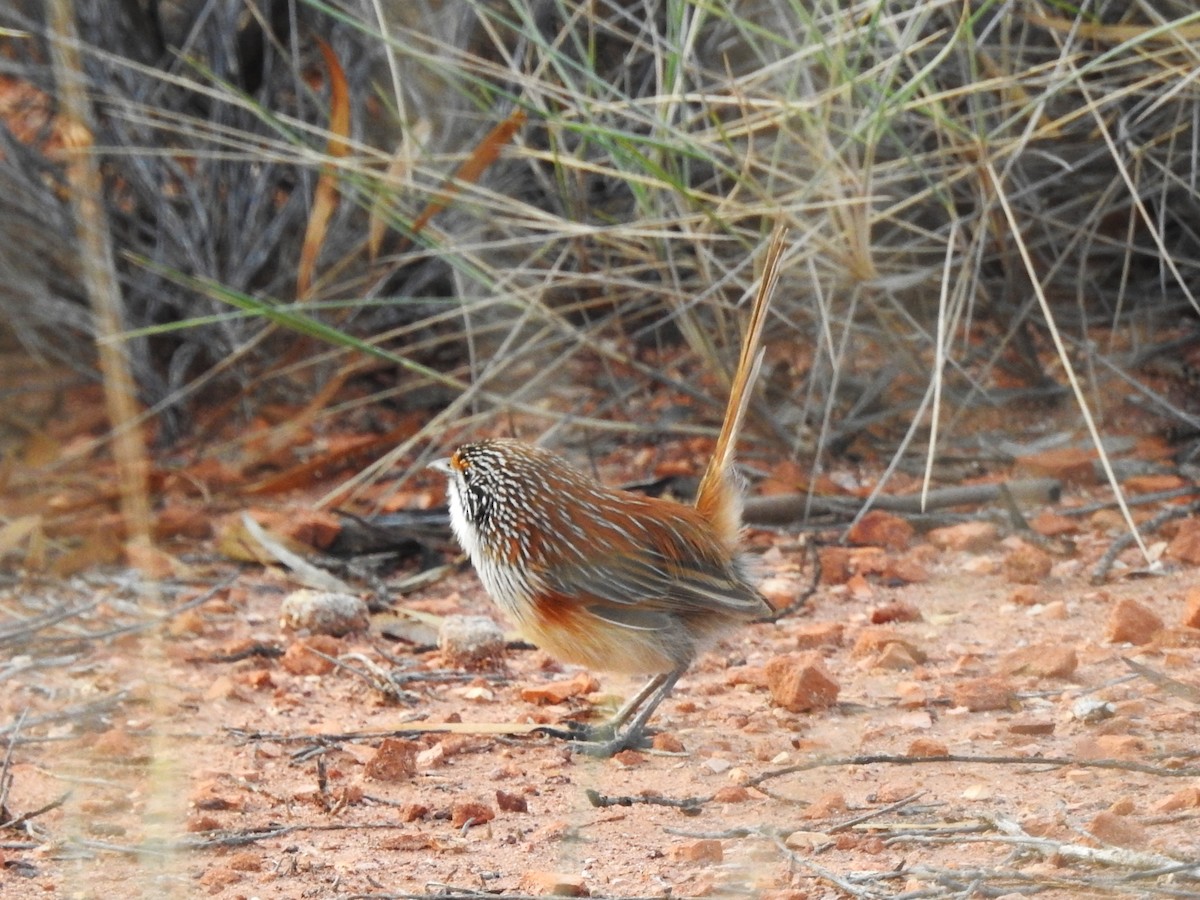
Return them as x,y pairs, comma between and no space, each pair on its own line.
323,612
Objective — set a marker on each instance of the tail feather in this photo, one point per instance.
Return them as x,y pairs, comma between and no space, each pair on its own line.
719,498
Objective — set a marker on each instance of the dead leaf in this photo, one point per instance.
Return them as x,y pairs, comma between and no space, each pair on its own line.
325,197
474,166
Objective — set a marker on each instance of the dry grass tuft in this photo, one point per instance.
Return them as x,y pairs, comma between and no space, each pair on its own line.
976,193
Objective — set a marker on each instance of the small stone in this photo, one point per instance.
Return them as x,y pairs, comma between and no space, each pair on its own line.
972,537
395,760
628,759
911,695
881,529
875,640
431,757
1112,746
1068,464
1185,545
324,612
717,765
1052,524
245,861
978,792
1028,595
826,806
923,748
412,812
469,813
1046,660
307,656
1188,798
561,691
708,852
667,743
514,803
895,657
1123,806
907,569
982,694
895,612
780,590
1027,564
811,635
1031,726
731,793
1092,710
471,642
1119,831
1191,609
1132,623
800,682
835,564
806,841
557,884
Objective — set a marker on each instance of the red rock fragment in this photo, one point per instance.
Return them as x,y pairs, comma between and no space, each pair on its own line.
731,793
907,569
411,812
896,656
628,759
515,803
1031,726
706,851
469,813
877,639
307,655
667,742
826,806
972,537
1118,831
1026,564
394,760
1052,524
923,748
880,529
1188,798
1132,623
982,694
800,682
1047,660
811,635
1185,545
557,884
1028,595
1191,609
895,612
245,861
1112,746
561,691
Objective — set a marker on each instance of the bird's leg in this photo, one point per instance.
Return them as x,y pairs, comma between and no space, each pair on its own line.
631,705
603,739
643,703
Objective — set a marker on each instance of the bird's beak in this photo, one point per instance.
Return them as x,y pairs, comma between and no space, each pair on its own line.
442,465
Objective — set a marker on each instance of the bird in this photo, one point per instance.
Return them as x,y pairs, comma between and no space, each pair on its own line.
611,579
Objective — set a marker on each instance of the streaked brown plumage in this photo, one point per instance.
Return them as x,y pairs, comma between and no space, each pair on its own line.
605,578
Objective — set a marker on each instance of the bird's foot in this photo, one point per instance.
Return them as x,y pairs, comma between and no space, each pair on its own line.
597,740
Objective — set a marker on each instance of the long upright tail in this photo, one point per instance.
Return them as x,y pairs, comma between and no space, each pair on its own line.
719,498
